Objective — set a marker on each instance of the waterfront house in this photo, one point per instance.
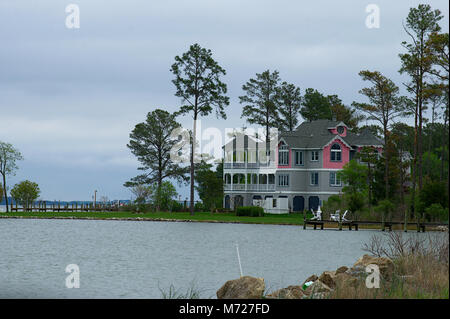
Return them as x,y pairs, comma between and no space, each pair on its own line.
302,171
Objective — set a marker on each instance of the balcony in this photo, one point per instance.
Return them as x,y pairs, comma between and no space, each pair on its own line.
240,165
249,187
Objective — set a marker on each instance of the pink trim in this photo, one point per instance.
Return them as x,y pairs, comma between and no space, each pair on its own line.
334,131
345,155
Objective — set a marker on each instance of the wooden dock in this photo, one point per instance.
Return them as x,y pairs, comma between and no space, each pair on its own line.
387,225
57,207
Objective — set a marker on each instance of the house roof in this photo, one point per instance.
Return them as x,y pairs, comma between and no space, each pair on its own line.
316,135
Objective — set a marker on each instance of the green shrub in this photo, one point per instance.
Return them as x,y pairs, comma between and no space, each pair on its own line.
253,211
437,212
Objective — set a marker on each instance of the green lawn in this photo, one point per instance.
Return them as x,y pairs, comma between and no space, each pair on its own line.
288,219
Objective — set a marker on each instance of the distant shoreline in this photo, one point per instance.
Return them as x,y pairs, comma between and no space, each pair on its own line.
281,221
147,219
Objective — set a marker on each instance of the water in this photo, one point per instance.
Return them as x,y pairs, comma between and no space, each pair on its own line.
132,259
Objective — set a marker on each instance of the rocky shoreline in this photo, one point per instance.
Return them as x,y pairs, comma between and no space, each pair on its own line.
314,287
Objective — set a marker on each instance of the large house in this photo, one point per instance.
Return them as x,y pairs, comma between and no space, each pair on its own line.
302,171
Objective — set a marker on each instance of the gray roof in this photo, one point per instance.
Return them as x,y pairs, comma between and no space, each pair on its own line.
316,134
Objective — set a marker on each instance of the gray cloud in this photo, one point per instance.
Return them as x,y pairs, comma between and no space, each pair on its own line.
69,98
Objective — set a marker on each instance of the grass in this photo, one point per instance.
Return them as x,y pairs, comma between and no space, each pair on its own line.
421,269
282,219
274,219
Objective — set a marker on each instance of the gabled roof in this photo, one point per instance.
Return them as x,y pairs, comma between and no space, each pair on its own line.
316,135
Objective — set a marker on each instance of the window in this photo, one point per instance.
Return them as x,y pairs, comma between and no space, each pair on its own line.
283,180
340,130
283,155
240,156
314,156
334,179
298,158
252,156
314,179
274,203
335,154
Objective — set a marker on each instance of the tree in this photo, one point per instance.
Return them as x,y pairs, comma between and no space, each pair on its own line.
261,101
162,195
151,142
210,185
141,193
439,45
421,22
369,156
354,176
198,84
25,193
384,105
8,166
433,192
342,113
290,101
315,106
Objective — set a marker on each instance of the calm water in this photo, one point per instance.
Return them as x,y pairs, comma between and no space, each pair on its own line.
127,259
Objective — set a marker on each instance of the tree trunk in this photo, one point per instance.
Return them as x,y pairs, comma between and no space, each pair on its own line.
369,170
386,162
5,192
444,142
194,134
414,164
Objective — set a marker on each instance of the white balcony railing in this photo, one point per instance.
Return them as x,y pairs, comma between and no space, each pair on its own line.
249,187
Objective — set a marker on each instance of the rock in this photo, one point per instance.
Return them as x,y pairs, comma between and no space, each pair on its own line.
345,280
327,278
341,270
291,292
385,265
245,287
317,290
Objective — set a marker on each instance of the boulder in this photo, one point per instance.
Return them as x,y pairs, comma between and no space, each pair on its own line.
328,278
317,290
246,287
341,270
385,265
291,292
345,280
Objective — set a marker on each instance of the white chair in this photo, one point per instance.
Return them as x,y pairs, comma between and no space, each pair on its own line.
343,217
335,216
317,214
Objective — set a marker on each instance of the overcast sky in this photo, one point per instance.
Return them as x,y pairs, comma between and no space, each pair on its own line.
70,97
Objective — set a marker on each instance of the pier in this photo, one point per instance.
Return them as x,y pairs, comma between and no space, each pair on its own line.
383,226
68,207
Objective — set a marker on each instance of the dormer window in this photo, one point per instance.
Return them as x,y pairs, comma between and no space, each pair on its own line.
340,130
283,154
335,154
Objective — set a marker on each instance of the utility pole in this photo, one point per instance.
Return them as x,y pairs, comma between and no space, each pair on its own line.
95,198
